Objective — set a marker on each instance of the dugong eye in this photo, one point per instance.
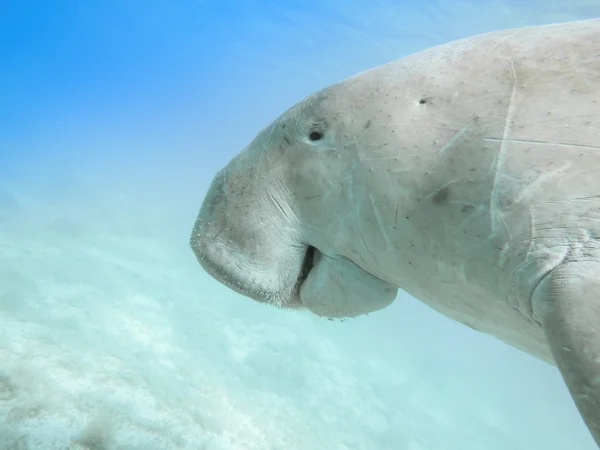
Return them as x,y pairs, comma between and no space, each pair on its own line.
315,135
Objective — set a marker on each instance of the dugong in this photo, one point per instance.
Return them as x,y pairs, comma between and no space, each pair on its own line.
467,175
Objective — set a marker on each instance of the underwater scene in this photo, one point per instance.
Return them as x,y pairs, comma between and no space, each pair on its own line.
221,230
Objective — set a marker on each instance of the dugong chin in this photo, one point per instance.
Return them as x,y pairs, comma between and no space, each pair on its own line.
467,175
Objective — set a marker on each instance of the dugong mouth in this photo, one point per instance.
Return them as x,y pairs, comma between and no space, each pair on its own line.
310,257
328,286
229,268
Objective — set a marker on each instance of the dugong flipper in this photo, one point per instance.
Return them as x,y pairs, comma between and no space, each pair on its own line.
567,303
467,175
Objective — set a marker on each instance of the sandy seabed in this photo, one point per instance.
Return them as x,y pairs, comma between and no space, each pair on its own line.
111,337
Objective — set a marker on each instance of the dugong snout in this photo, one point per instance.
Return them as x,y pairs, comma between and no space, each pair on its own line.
207,238
241,242
243,238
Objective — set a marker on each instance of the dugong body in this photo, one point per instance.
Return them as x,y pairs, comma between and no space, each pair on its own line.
467,175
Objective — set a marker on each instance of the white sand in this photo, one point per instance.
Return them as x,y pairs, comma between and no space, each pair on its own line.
111,337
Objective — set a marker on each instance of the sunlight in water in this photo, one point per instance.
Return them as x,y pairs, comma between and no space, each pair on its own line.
115,117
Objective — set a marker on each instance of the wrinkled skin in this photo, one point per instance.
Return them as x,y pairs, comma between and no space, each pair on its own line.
466,175
287,202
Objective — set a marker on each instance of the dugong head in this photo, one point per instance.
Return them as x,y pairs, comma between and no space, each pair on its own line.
278,222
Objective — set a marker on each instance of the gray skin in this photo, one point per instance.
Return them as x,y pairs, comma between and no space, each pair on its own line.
467,175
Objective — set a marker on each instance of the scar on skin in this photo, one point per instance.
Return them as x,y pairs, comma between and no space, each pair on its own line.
557,144
499,159
455,140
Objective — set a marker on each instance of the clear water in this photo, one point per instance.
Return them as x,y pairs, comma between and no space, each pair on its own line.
114,116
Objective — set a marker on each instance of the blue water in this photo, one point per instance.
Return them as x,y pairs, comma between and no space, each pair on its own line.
114,116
